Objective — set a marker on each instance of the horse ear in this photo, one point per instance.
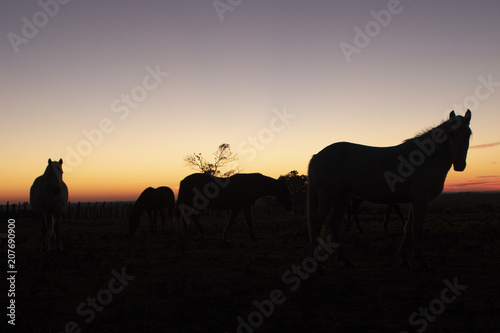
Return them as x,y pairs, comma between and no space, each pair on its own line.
452,114
468,115
50,161
60,161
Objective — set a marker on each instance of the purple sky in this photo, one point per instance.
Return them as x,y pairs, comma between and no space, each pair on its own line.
228,81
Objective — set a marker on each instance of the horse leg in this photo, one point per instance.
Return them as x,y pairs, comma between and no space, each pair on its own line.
162,216
45,240
419,210
404,248
337,215
352,210
318,218
349,218
155,219
152,221
400,215
197,223
356,219
170,213
248,217
232,218
57,218
187,236
386,218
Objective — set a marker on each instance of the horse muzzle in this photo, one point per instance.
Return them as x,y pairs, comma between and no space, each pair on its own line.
459,166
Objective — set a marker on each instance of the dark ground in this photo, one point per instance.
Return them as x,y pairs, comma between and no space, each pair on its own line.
205,287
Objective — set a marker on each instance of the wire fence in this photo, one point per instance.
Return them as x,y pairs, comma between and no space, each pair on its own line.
121,210
79,210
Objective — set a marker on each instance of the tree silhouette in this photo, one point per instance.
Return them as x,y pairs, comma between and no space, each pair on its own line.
297,184
222,156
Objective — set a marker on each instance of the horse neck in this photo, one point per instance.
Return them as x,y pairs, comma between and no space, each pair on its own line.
48,180
139,207
46,175
436,154
51,178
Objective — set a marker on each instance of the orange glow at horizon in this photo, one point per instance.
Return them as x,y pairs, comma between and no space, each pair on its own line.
115,191
109,175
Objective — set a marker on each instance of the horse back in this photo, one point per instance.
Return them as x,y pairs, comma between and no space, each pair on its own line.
345,168
235,192
164,197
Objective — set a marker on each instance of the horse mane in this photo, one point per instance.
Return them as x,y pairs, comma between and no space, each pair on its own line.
427,130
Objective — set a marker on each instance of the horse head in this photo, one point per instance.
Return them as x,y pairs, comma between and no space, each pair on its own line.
54,174
459,134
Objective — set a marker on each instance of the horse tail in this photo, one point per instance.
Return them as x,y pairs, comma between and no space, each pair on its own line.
171,209
312,203
174,214
178,218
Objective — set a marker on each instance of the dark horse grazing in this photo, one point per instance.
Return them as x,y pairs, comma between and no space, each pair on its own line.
411,172
153,201
48,197
198,192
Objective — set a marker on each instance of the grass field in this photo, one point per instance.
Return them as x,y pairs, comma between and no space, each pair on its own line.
109,281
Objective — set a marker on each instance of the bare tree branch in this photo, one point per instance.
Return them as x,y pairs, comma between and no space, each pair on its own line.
222,157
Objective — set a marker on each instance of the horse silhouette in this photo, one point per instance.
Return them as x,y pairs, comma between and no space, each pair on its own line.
48,198
411,172
154,201
198,192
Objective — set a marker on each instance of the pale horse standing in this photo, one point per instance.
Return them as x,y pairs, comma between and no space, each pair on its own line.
411,172
48,198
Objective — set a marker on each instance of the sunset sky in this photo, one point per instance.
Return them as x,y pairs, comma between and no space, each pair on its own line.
122,90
